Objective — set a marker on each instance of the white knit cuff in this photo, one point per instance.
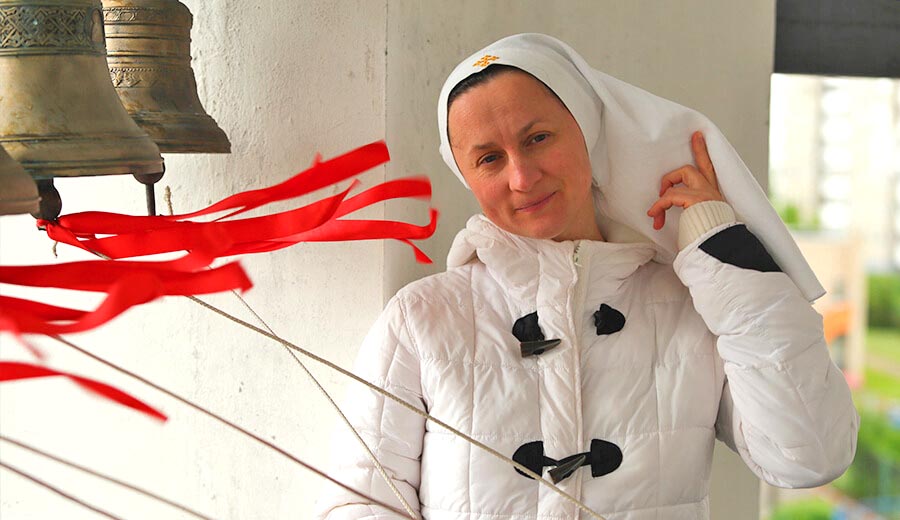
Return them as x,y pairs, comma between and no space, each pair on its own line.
700,218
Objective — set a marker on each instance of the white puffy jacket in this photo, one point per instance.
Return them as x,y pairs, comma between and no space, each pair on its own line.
662,388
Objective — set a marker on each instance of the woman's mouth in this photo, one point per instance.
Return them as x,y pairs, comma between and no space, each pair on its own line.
536,205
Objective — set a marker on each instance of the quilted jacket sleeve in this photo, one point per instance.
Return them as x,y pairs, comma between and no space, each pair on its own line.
785,408
393,433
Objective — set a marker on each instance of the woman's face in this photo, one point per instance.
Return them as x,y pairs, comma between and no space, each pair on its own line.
523,155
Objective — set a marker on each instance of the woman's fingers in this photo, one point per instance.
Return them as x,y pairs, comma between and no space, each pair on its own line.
678,196
687,185
687,175
658,212
701,158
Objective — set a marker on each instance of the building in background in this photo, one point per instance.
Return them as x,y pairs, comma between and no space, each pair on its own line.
834,176
834,160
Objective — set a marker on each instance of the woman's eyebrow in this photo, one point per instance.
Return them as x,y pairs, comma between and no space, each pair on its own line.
524,130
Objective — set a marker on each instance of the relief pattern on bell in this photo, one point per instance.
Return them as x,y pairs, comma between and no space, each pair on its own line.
149,58
39,28
59,113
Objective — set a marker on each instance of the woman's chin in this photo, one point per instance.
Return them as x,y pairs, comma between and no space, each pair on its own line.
539,230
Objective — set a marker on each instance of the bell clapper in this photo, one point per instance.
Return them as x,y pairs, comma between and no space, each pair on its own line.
149,181
50,205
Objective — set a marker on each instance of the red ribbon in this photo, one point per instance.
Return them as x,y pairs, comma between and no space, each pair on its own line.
129,283
133,236
13,371
126,283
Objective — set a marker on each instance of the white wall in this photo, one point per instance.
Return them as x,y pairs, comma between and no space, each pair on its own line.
287,79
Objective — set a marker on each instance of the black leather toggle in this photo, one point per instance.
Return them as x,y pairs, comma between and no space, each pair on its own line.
531,455
531,338
604,457
566,467
608,320
526,328
536,348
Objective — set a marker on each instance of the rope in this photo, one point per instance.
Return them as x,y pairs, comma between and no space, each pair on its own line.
58,491
222,420
291,346
167,196
404,404
381,471
107,478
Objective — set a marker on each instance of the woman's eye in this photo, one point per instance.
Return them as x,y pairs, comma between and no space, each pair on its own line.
487,159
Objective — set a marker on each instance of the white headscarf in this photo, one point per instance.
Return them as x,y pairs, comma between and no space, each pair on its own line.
633,139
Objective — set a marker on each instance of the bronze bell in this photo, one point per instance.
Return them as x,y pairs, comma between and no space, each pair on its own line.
59,114
18,192
149,58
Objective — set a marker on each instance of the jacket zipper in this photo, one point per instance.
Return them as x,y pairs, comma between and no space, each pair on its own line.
576,321
578,293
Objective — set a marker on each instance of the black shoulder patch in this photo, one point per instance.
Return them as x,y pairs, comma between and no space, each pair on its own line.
739,247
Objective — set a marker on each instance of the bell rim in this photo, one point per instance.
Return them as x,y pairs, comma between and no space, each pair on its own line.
183,133
29,200
72,137
19,206
48,170
182,147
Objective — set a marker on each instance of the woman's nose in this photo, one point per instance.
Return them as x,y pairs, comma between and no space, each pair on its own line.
523,174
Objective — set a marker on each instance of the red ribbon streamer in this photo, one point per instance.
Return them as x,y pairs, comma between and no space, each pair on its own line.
139,236
13,371
126,283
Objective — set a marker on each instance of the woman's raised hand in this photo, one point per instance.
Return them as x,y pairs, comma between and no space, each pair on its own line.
687,185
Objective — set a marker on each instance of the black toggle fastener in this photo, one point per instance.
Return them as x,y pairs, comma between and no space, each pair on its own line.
608,320
526,328
565,469
536,348
531,337
604,457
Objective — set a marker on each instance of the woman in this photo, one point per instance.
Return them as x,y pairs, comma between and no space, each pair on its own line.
667,339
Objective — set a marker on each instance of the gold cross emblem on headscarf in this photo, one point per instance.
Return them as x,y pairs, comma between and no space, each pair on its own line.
485,60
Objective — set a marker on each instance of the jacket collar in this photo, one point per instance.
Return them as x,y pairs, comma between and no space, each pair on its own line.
520,264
